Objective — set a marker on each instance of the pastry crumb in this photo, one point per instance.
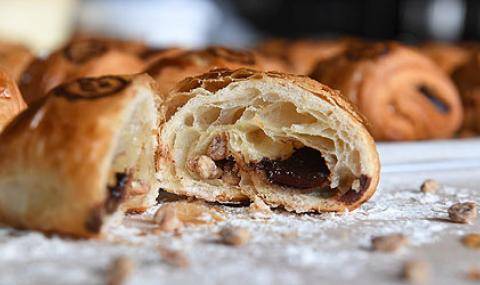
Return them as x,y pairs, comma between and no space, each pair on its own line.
167,219
463,212
258,209
120,270
389,243
205,167
416,272
173,257
430,186
474,274
234,236
471,241
217,150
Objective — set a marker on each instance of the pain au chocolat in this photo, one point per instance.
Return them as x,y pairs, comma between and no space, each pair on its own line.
170,70
233,136
403,94
80,58
80,156
11,101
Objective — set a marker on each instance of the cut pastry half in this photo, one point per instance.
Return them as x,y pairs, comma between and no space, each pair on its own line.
81,155
233,136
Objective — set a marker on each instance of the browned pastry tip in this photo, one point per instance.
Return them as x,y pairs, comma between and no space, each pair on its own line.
14,58
11,101
77,159
467,80
302,55
79,58
170,70
448,56
403,94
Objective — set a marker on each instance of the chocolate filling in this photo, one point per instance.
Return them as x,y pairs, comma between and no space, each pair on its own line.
116,192
305,169
437,102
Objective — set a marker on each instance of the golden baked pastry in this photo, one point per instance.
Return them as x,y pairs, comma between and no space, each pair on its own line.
467,79
403,94
448,56
80,58
80,156
232,136
302,55
168,71
14,58
11,101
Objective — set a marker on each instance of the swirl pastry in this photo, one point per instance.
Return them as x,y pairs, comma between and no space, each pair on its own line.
302,55
11,101
404,94
231,136
80,58
467,80
448,56
168,71
75,158
14,58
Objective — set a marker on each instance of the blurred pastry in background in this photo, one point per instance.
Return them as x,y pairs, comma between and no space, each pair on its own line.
404,95
153,54
11,101
168,71
448,56
467,79
302,55
80,58
14,58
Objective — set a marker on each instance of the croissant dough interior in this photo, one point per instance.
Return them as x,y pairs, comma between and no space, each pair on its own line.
263,120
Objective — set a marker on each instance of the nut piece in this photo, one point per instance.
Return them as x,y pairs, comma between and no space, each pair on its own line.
430,186
389,243
173,257
119,271
234,236
471,241
217,149
416,271
205,167
463,212
167,219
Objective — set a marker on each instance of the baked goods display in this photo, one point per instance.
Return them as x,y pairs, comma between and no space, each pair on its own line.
168,71
80,58
11,101
14,58
403,94
229,136
467,79
74,161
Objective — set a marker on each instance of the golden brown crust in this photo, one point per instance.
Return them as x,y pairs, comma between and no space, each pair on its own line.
80,58
11,101
168,71
468,82
14,58
404,95
219,80
448,56
57,156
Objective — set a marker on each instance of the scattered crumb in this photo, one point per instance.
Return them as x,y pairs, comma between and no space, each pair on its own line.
258,209
474,274
167,219
463,212
119,271
430,186
171,217
389,243
472,241
234,236
173,257
416,272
